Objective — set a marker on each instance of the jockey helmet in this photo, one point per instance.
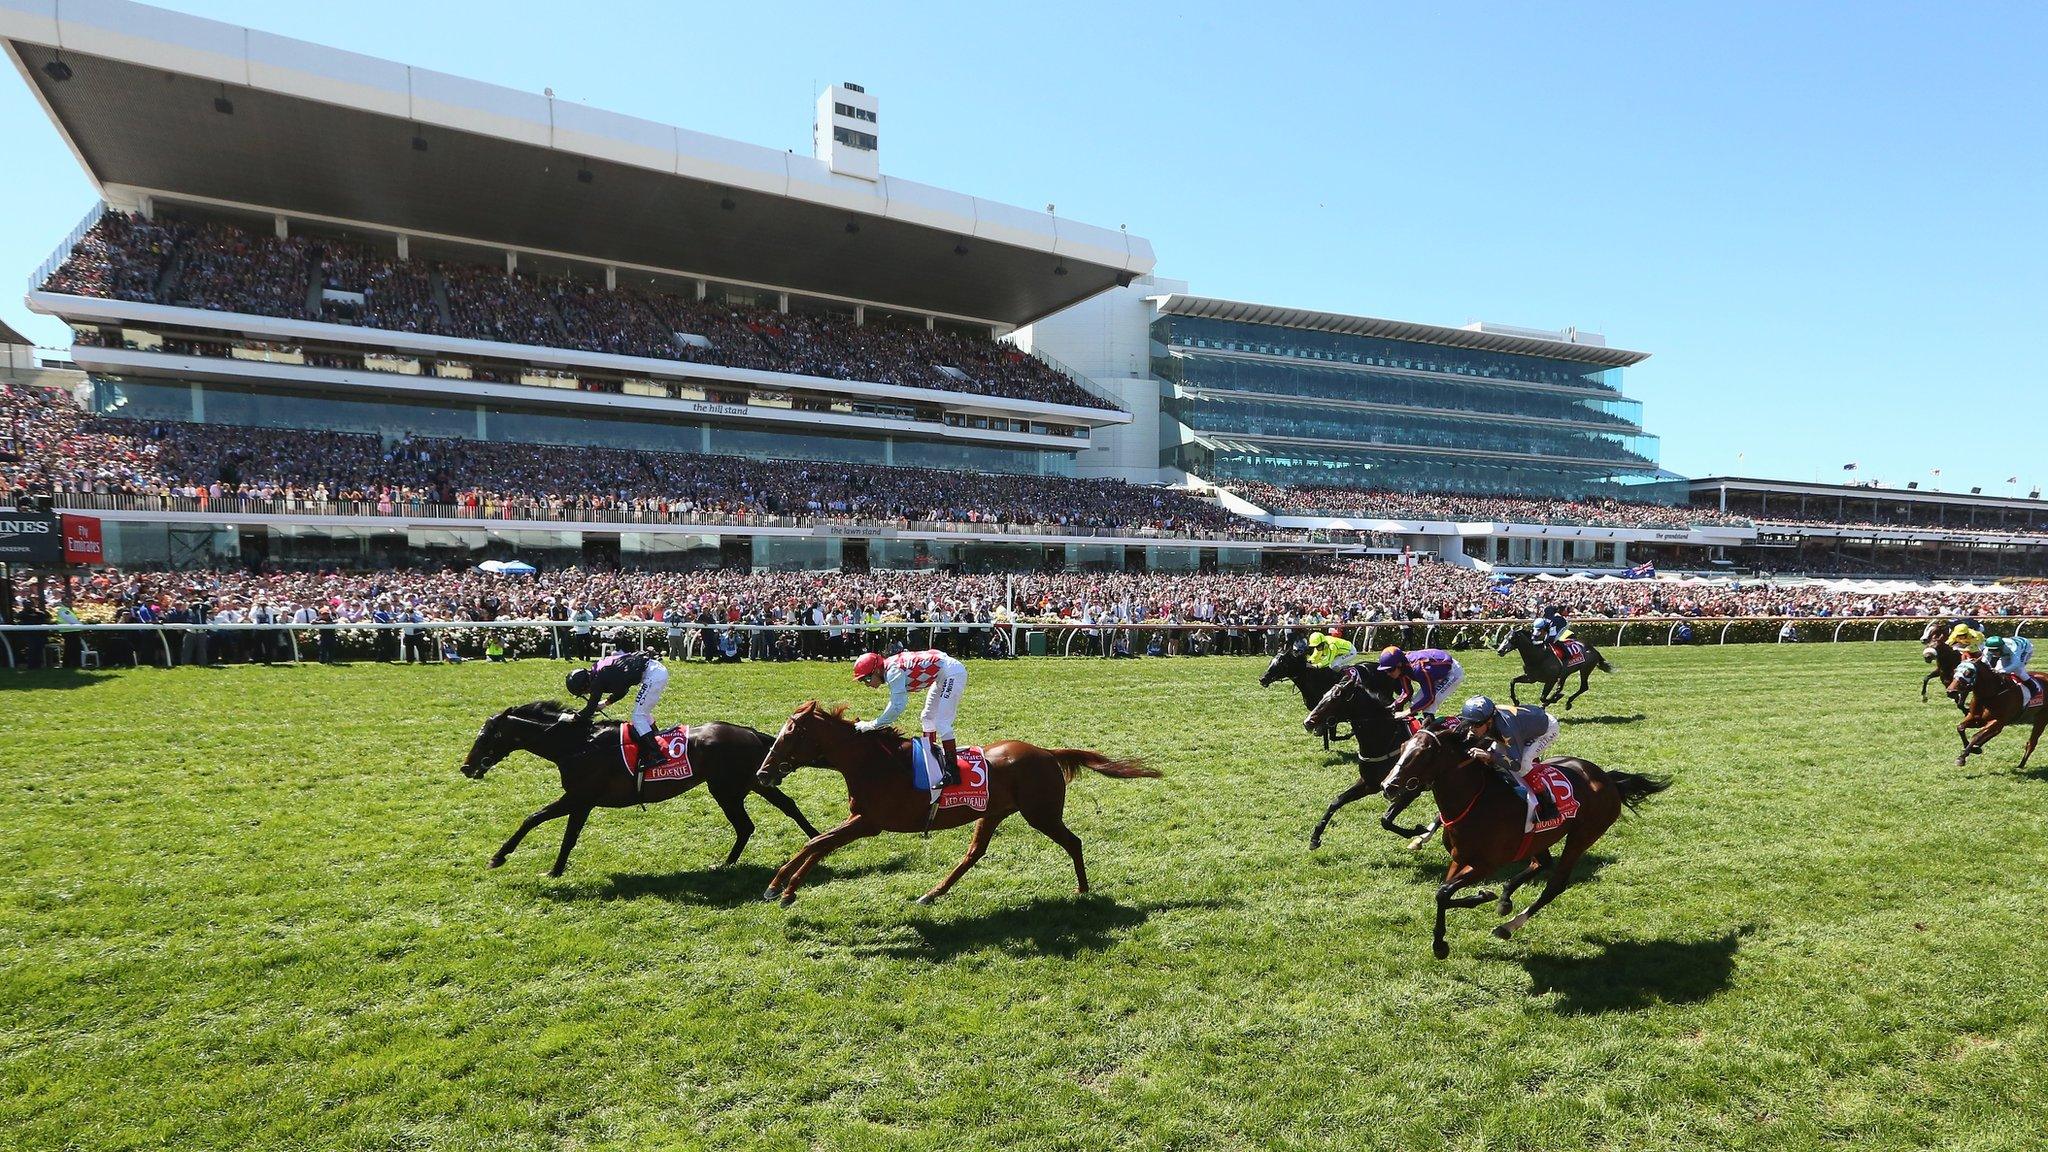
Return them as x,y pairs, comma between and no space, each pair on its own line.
1317,639
1392,659
1477,710
579,682
1994,644
869,664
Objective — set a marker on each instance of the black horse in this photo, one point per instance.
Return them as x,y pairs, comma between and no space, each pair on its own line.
1364,697
1540,665
1312,682
724,755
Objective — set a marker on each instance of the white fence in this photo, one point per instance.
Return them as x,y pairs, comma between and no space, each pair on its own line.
86,645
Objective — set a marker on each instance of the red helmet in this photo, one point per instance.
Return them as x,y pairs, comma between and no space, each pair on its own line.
868,665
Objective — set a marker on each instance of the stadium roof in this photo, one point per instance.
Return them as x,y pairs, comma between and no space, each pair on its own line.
1487,341
163,103
10,336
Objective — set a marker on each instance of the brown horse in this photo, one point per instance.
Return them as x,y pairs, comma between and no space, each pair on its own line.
1995,702
1944,656
1022,778
1483,820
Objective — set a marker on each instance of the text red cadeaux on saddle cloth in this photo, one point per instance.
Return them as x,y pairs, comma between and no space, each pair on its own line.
675,753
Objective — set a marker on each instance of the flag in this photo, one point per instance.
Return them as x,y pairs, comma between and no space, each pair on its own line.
1937,471
1647,570
2012,479
1849,467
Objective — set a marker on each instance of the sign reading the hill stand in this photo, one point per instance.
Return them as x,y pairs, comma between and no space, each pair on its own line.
29,538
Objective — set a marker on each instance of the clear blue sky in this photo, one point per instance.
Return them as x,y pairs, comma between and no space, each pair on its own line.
1826,222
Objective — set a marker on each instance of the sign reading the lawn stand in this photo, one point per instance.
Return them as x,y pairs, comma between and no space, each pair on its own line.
30,538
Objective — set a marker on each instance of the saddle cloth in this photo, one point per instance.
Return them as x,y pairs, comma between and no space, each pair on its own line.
1570,651
2030,690
970,792
675,753
1554,781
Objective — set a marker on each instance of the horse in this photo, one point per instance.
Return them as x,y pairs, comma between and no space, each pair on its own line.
1363,700
1020,777
1313,683
726,756
1995,702
1486,834
1540,665
1944,656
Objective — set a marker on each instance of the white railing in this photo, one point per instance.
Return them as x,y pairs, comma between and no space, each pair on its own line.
49,267
557,639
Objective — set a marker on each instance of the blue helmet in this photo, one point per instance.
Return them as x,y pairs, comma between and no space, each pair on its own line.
1477,710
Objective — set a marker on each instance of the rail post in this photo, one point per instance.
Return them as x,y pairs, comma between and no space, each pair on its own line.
9,645
1669,633
1837,637
1724,631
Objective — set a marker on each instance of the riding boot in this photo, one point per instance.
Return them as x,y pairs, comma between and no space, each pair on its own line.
650,755
1546,808
949,765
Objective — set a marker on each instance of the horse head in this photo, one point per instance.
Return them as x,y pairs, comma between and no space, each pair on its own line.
1933,639
1355,687
1423,755
807,740
1965,678
510,731
1289,663
1515,641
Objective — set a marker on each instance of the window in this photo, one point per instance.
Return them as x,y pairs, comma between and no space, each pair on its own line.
861,140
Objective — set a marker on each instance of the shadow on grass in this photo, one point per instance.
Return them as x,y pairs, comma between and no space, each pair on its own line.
1430,865
1635,719
1046,926
711,885
46,679
1632,975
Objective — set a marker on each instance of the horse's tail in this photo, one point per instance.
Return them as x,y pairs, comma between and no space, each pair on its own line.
1072,760
1601,661
1634,788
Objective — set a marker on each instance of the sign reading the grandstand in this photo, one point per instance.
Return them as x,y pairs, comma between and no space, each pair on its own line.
82,540
29,538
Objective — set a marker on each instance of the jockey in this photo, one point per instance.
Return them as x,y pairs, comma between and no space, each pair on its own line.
2008,656
946,679
1514,740
1551,628
1964,638
1327,651
608,681
1426,677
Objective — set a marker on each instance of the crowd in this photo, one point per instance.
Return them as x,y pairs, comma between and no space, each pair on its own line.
2019,527
1380,503
223,267
234,468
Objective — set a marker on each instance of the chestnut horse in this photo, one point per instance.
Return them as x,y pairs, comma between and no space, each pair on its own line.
1995,702
1485,834
1022,778
1362,699
725,756
1944,656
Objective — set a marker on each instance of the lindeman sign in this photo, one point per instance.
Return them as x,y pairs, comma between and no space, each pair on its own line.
30,538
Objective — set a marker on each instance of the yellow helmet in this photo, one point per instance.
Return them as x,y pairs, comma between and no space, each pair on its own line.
1317,639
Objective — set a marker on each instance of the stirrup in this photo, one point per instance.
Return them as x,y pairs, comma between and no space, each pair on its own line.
930,814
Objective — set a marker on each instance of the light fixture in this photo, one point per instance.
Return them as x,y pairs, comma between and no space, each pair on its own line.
419,142
959,249
1059,269
57,69
584,176
726,202
223,105
852,227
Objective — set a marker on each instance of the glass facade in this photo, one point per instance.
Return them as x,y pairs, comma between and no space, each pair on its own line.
396,416
1295,406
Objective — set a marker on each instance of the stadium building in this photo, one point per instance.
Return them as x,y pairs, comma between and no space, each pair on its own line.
1876,530
298,237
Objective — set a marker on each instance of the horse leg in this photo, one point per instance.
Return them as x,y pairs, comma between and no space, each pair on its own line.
788,869
2033,738
569,836
1585,682
1537,863
734,804
1522,679
783,804
1926,682
1447,898
1053,824
825,845
984,831
1560,878
1985,734
554,811
1357,791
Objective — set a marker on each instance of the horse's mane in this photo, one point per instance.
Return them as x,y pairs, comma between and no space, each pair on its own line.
886,734
540,710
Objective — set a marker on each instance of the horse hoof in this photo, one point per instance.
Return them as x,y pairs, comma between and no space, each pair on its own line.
497,862
788,898
770,894
927,899
1440,950
1315,842
1504,932
1416,844
554,873
1506,907
1483,895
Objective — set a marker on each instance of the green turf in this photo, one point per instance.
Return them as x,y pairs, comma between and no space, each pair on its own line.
249,908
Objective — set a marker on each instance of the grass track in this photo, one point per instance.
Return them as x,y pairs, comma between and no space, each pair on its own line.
248,908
